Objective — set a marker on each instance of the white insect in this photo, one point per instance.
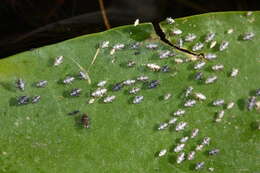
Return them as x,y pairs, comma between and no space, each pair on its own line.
180,158
99,92
211,169
230,105
136,22
211,79
180,126
248,36
134,90
213,44
218,102
217,67
118,46
190,103
179,148
163,126
199,165
153,67
91,101
172,121
223,45
199,65
191,155
179,42
170,20
83,75
142,78
102,83
151,46
104,44
165,54
138,99
167,96
230,31
200,96
190,37
198,46
109,99
184,139
129,82
162,152
68,80
220,115
58,60
179,112
178,60
209,37
199,147
194,133
206,141
41,84
210,56
234,72
188,91
176,31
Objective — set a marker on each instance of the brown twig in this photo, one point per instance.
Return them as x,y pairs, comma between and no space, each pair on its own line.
104,15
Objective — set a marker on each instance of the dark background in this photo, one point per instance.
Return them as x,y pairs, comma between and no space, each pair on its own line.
26,24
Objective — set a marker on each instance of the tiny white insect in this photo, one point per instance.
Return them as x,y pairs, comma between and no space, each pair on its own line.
162,152
172,121
102,83
179,42
230,31
138,99
167,96
200,96
211,169
209,37
206,141
153,67
234,72
248,36
91,101
165,54
83,75
180,126
199,165
190,37
129,82
191,155
58,60
217,67
104,44
178,60
142,78
118,46
176,31
41,84
190,103
179,148
179,112
220,115
163,126
211,79
170,20
180,158
68,80
218,102
199,65
152,46
230,105
199,147
134,90
213,44
99,92
136,22
194,133
188,91
198,46
210,56
184,139
249,13
109,99
223,45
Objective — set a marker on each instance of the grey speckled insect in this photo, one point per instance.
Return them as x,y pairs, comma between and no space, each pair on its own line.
129,82
165,54
206,141
198,76
199,165
211,79
218,102
170,20
184,139
180,158
176,31
82,75
200,96
153,84
190,37
22,100
198,46
131,63
179,148
118,86
180,126
179,112
209,37
194,133
190,103
210,56
58,60
257,92
75,92
142,78
41,84
191,155
102,83
188,91
199,65
104,44
214,152
134,90
153,67
234,72
163,126
179,42
172,121
99,92
223,45
36,99
138,99
68,80
248,36
151,46
220,115
135,45
165,68
162,153
167,96
217,67
251,103
20,84
109,99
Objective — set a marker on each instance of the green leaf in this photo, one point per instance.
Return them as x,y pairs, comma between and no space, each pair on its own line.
123,136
